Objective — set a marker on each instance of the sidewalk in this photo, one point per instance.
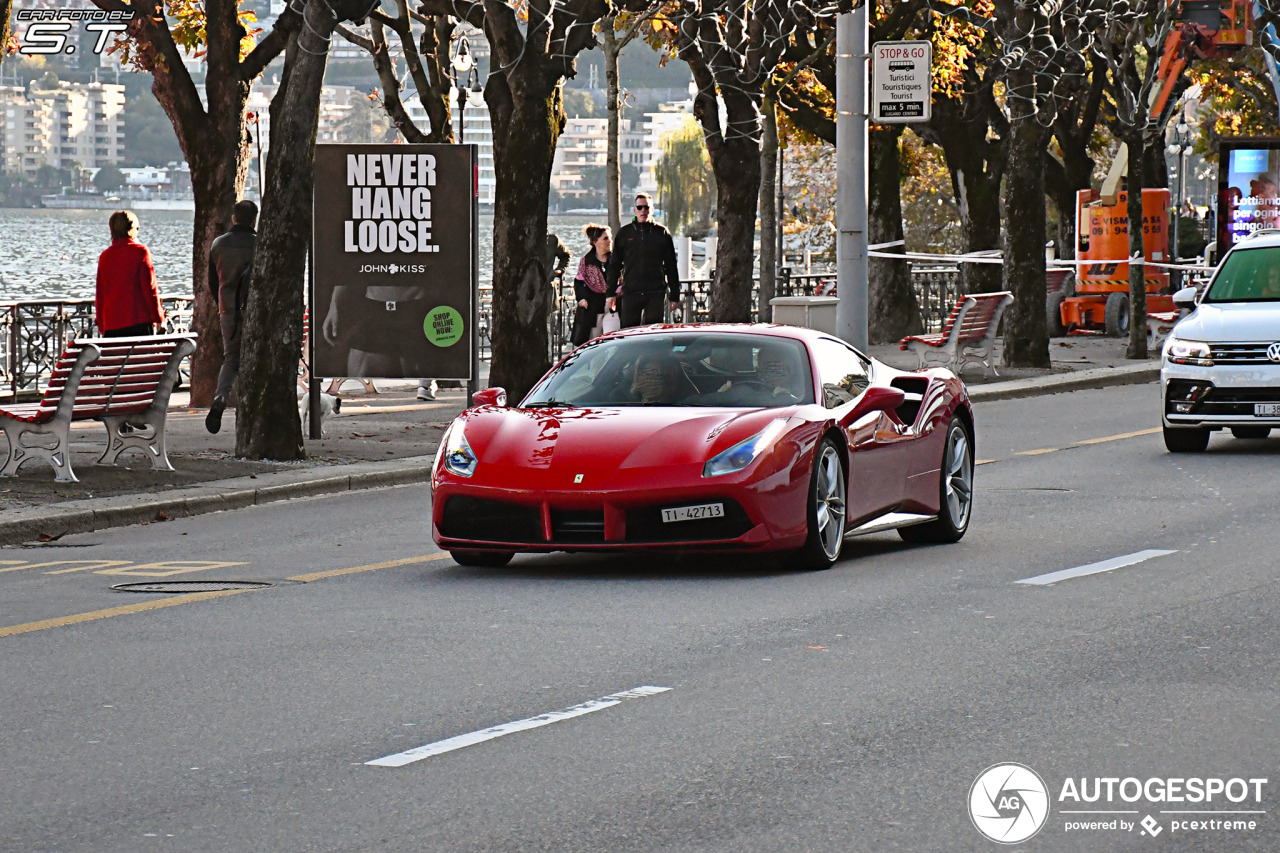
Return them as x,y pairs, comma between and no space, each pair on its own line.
382,439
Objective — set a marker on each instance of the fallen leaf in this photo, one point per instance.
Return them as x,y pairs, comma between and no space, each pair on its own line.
362,435
253,476
161,515
48,537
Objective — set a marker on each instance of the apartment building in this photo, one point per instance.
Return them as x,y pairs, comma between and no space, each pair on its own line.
581,153
74,123
641,144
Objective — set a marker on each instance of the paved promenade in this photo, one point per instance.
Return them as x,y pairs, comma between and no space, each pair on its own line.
382,439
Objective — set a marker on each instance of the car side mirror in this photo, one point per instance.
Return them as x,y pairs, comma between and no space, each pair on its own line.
1185,298
877,398
490,397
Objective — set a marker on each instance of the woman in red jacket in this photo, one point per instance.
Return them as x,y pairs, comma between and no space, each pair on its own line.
126,298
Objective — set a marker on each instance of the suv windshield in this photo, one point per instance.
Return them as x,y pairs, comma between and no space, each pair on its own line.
681,369
1247,275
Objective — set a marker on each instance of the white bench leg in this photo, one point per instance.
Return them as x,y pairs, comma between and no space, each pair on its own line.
147,436
59,455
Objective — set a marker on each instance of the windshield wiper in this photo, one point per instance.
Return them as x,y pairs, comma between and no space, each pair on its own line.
549,404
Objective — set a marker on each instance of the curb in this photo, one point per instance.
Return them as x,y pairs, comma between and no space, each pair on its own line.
84,516
1103,377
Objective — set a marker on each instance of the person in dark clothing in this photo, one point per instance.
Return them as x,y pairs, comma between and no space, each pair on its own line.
589,284
126,299
644,258
230,260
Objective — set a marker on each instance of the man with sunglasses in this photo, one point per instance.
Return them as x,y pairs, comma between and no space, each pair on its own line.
644,259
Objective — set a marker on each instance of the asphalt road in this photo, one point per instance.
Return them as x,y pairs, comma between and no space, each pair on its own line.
847,710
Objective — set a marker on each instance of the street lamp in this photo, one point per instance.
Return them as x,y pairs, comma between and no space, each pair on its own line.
1180,148
464,65
252,118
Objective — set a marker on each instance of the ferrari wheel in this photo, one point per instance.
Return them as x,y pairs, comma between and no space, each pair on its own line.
827,518
956,491
482,559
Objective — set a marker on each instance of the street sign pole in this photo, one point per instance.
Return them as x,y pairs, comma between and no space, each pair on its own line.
852,38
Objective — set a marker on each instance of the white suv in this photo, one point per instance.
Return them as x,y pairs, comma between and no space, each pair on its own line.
1221,362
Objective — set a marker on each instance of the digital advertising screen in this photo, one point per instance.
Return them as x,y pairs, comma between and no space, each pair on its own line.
1248,199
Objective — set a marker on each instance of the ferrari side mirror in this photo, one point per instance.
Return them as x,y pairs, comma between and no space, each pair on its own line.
490,397
878,399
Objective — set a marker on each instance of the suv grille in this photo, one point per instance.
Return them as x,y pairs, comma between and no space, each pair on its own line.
1244,352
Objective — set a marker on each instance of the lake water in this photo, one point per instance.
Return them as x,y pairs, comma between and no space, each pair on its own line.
53,254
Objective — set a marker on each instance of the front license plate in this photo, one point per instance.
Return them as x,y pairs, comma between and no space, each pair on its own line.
1266,410
690,513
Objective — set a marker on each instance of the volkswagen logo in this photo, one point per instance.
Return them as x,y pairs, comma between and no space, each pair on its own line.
1008,803
1273,352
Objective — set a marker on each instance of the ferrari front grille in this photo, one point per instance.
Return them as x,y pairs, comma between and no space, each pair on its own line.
577,525
646,525
482,520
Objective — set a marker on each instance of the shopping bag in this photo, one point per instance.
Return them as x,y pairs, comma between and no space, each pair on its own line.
610,323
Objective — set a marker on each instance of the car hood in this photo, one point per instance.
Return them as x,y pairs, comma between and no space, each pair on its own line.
1231,321
606,440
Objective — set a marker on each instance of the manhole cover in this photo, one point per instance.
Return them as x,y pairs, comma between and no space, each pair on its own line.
188,586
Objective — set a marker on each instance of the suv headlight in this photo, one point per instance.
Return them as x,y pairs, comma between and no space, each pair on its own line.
744,453
457,454
1181,351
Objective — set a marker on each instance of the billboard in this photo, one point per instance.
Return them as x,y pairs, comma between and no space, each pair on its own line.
1248,176
395,278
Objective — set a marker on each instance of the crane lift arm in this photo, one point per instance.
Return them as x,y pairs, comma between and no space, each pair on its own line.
1202,29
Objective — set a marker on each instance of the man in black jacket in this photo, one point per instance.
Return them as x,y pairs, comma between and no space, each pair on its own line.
230,259
644,257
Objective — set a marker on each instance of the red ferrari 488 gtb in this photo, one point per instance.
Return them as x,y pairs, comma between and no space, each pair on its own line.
707,438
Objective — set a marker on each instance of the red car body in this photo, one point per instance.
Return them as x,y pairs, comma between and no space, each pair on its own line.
596,478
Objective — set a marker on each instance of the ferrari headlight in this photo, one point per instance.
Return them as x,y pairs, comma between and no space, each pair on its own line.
1181,351
744,453
458,456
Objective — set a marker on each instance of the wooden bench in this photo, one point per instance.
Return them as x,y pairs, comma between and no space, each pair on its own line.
966,337
123,382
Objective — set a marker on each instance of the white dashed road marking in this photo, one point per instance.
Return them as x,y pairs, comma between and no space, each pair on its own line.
1095,568
400,759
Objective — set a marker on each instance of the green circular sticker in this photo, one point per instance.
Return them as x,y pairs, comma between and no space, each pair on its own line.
443,326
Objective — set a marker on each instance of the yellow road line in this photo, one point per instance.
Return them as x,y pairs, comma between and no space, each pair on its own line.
189,598
114,611
1152,431
390,564
1088,441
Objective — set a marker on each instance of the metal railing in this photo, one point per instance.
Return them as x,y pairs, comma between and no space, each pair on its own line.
35,332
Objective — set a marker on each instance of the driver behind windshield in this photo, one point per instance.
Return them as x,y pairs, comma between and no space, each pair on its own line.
658,380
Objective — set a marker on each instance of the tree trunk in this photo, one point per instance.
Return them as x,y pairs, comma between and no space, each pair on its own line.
1137,347
894,311
5,7
736,165
1026,338
769,223
527,121
267,422
612,167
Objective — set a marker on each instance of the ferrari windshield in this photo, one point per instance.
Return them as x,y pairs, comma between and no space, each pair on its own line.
1247,275
681,369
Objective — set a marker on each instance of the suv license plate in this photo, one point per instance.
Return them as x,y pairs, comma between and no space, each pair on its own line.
1266,410
691,513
